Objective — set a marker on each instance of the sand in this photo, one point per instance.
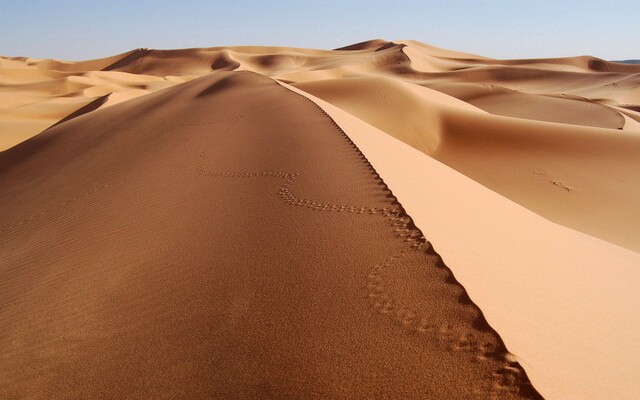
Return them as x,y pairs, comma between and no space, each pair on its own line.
388,219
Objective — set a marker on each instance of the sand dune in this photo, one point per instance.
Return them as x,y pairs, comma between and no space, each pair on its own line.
176,224
159,252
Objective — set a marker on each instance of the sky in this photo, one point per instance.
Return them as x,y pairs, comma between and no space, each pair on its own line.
76,30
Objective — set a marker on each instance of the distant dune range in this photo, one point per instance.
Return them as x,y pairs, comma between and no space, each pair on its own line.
241,222
449,105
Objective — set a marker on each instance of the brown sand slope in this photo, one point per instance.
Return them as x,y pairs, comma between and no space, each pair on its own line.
224,238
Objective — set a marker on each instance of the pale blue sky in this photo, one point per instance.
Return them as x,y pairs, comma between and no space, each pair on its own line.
75,30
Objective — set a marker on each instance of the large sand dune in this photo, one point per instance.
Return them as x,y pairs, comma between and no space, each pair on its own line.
187,227
225,238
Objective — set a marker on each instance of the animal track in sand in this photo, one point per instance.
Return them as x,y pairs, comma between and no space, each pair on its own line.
562,185
478,343
543,173
383,299
285,192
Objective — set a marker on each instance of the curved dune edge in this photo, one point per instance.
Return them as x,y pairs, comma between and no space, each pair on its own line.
546,289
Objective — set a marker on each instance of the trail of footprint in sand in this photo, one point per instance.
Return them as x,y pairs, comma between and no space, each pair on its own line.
508,380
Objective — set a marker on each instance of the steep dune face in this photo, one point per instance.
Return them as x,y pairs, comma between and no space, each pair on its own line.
224,238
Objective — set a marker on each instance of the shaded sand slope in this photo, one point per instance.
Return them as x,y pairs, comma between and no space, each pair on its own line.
511,103
566,303
224,238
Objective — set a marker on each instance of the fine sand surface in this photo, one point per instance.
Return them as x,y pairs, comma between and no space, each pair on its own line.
224,238
172,226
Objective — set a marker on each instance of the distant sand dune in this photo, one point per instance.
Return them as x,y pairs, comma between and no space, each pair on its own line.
583,91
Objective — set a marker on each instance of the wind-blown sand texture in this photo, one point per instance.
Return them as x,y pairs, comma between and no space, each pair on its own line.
226,238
